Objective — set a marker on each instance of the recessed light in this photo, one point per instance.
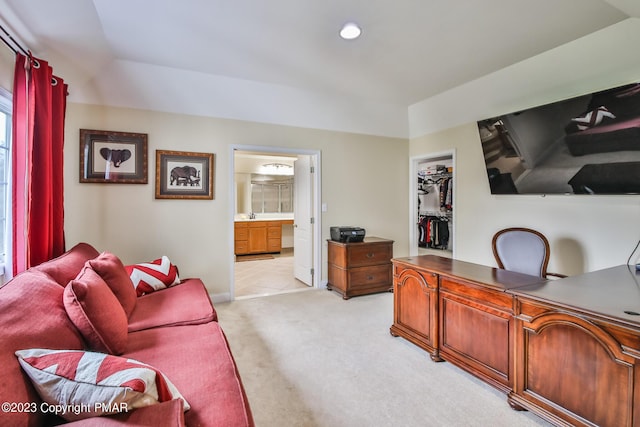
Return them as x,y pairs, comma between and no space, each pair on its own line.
350,31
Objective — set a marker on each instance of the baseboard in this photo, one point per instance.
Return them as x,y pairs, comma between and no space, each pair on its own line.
226,296
219,298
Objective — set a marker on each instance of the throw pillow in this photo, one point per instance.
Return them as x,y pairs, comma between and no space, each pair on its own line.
96,312
112,271
151,276
85,384
590,119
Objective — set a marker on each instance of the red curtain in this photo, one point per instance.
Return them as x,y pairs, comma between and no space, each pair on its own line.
39,104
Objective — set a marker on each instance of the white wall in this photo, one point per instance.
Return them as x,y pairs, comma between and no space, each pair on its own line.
601,60
364,183
585,232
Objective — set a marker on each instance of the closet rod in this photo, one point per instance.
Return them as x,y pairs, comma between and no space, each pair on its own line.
12,41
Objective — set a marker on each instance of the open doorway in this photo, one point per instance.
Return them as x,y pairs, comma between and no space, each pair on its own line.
432,204
275,195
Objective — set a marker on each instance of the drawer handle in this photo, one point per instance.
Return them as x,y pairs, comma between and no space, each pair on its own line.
370,277
370,255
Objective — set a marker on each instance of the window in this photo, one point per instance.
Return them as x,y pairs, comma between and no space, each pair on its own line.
5,173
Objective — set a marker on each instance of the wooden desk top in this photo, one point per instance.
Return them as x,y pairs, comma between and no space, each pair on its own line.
496,278
612,293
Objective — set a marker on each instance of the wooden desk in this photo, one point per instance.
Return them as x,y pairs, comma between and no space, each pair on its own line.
458,312
578,348
567,349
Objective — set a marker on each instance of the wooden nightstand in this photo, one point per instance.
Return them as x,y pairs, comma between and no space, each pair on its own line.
360,268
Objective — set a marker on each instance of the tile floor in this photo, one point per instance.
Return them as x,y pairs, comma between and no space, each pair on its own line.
267,277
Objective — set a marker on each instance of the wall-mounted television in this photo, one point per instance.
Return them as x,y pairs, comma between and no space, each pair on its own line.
589,144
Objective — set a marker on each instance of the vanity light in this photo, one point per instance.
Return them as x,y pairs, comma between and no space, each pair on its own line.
350,31
277,169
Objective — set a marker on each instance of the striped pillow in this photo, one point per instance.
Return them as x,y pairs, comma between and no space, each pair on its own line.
152,276
82,384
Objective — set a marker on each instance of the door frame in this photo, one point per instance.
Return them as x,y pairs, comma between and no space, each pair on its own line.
413,191
316,209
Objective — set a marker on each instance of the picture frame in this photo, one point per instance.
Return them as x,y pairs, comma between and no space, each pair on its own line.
184,175
113,157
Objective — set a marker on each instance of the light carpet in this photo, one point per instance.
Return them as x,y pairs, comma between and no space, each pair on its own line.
311,358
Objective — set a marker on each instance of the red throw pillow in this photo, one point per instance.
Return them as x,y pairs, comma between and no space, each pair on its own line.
83,384
112,271
151,276
96,312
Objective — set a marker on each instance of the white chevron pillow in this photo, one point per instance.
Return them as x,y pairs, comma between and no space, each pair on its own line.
151,276
80,384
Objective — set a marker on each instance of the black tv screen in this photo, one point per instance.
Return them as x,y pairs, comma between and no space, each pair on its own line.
589,144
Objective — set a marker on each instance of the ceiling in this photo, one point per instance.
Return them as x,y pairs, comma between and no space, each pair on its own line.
410,50
253,162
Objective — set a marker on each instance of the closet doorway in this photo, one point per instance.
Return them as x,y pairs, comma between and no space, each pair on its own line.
275,194
432,204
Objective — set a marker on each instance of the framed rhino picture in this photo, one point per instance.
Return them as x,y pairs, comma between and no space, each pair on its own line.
184,175
113,157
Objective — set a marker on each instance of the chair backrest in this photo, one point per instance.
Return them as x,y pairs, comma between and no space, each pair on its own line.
521,249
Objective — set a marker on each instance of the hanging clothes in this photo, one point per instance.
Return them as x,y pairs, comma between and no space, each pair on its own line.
433,232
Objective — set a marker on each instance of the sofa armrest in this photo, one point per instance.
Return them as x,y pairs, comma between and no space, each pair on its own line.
169,413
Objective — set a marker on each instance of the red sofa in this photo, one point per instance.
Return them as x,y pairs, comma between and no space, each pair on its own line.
174,330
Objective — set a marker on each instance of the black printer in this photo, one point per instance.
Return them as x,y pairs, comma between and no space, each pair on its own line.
347,234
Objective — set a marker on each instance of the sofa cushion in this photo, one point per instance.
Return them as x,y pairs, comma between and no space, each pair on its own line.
96,312
67,266
112,271
165,414
94,384
199,362
151,276
32,315
185,304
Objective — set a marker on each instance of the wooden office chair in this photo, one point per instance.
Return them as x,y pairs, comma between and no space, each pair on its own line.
522,250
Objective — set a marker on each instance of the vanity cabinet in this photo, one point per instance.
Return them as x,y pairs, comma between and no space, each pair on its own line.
241,238
274,236
258,237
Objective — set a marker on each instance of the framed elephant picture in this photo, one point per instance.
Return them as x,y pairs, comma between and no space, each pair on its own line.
113,157
184,175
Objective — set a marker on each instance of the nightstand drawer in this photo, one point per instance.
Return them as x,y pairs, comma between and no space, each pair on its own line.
363,255
367,277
